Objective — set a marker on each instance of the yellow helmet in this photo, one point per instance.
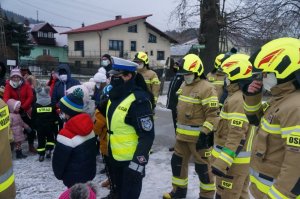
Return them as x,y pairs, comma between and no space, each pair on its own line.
218,60
191,63
280,56
237,67
141,56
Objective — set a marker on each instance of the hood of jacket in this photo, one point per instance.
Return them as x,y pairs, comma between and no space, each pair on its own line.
80,124
11,103
66,68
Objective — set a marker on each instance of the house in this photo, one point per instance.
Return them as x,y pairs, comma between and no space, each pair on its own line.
47,41
121,37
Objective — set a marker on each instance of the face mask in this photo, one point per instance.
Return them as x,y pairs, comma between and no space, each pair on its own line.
189,78
227,81
63,78
140,66
116,81
98,85
15,84
105,62
270,81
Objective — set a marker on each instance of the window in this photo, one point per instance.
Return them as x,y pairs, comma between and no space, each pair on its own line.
77,63
116,45
89,63
152,38
132,28
133,45
50,35
40,34
46,51
151,52
160,55
45,34
78,45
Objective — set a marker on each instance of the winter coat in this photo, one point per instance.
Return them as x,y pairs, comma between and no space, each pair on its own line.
51,84
7,185
23,94
152,81
74,157
61,87
234,133
275,156
197,108
17,125
100,129
173,88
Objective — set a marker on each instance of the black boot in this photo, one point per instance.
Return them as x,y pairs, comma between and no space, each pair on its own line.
48,154
20,155
177,193
41,158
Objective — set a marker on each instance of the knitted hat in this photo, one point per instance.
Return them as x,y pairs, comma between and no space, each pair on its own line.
99,78
16,72
79,191
72,104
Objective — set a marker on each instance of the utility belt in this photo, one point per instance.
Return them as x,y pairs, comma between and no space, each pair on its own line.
262,181
188,129
243,157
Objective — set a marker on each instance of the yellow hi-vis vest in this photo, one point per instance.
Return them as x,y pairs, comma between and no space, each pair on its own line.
123,138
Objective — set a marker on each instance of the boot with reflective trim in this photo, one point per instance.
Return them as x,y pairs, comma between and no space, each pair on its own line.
177,193
48,154
41,158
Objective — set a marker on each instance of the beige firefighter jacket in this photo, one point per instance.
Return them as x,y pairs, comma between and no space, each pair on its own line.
151,80
234,133
275,158
217,79
7,178
197,110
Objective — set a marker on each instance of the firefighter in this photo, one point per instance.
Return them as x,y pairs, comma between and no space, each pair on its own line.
216,76
275,158
234,135
7,177
130,126
197,119
149,75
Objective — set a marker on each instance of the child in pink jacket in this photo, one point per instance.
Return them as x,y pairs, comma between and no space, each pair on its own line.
17,125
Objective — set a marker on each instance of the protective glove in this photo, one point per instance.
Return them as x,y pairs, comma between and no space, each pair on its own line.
205,141
134,173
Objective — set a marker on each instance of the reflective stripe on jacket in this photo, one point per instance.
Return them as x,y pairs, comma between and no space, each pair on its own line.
123,137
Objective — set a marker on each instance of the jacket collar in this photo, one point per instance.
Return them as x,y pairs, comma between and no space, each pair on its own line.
232,88
281,90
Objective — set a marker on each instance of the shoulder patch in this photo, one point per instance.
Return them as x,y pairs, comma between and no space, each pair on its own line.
146,123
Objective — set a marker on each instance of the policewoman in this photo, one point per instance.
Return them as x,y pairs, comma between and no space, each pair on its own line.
7,178
131,129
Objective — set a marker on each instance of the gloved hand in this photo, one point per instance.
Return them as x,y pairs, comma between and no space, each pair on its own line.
205,141
134,173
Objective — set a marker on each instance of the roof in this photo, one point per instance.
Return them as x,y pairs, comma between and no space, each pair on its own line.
107,24
39,26
183,49
160,33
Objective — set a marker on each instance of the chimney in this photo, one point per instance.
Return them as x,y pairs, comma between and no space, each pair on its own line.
118,17
82,25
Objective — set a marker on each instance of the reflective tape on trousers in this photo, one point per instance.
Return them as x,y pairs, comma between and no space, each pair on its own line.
6,179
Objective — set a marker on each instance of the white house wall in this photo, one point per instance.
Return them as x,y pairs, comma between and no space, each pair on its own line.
92,43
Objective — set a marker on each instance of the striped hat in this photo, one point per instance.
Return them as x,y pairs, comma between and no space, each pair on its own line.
72,104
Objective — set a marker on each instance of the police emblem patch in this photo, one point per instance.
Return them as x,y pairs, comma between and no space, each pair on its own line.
146,123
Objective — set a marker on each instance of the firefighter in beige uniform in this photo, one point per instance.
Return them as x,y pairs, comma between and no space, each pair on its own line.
234,135
7,178
275,157
197,119
217,77
150,76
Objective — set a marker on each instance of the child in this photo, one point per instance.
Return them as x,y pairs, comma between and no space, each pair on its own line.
74,157
43,119
80,191
17,126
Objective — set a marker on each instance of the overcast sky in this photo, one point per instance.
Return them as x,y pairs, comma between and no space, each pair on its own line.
72,13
